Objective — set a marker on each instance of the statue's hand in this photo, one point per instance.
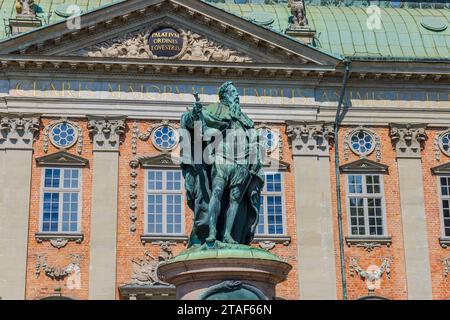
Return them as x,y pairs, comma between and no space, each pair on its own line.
197,106
255,167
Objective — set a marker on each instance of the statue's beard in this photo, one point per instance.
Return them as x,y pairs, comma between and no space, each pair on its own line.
235,108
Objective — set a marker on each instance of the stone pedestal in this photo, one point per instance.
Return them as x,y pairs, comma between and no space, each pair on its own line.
24,23
306,34
233,272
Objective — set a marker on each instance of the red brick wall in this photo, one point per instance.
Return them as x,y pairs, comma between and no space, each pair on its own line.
395,288
440,284
129,245
289,288
43,286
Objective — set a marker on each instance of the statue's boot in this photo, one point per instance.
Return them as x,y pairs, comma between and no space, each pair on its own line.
229,239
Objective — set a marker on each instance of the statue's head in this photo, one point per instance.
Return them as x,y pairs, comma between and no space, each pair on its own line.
228,94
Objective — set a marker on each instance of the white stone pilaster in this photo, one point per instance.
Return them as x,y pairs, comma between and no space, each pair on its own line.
105,133
17,133
316,262
407,140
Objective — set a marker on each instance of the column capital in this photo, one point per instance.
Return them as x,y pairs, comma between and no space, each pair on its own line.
105,132
310,138
17,131
407,139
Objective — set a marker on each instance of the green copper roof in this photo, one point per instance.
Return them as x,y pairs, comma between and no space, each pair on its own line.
404,33
344,31
46,10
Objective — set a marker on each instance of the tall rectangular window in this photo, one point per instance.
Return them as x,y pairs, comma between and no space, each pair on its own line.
61,200
271,212
164,202
365,204
445,203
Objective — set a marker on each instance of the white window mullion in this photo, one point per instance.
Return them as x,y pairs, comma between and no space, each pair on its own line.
266,215
164,201
366,215
163,215
61,202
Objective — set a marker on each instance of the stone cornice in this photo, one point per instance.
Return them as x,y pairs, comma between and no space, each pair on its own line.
76,65
378,73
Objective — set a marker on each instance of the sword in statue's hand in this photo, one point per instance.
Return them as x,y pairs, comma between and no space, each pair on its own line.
197,105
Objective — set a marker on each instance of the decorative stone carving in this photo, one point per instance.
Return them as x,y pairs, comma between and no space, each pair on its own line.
408,139
376,143
166,251
151,132
105,132
79,135
298,12
368,246
310,138
202,49
134,137
133,194
25,8
278,147
58,240
368,243
135,45
145,136
372,275
145,270
267,245
442,144
18,132
446,263
445,242
57,273
269,242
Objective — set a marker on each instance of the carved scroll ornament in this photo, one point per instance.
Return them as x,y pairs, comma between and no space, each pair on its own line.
136,45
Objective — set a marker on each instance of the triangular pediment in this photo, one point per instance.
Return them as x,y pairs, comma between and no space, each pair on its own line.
163,160
63,159
441,169
196,31
364,166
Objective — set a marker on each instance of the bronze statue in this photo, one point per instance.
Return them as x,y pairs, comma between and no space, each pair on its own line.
223,188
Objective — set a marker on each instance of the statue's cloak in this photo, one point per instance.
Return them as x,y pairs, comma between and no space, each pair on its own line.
198,177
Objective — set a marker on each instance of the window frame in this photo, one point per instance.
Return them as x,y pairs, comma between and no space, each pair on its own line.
60,190
364,196
164,192
283,207
441,208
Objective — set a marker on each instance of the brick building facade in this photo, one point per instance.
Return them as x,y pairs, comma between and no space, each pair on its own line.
89,119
